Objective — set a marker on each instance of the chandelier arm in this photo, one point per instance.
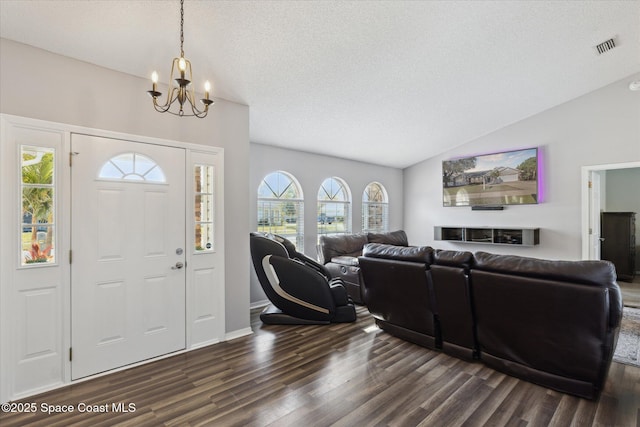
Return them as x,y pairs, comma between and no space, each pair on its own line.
196,111
171,97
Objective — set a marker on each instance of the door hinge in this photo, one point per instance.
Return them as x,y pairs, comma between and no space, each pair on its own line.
71,154
591,231
70,354
590,184
70,253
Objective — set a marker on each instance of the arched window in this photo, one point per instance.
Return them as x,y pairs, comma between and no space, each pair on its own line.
375,208
334,207
280,207
132,167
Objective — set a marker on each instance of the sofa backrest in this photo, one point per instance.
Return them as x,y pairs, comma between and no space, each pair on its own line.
593,273
398,238
421,254
559,318
596,273
460,259
397,287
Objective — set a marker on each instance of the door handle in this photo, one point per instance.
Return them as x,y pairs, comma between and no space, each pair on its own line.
178,266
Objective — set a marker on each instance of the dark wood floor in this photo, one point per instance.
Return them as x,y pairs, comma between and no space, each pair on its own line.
329,375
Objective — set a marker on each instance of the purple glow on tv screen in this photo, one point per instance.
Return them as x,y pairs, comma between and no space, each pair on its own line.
497,179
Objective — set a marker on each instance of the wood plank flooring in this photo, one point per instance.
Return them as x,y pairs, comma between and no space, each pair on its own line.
329,375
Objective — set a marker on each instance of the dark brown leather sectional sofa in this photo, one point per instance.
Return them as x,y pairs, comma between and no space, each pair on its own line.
554,323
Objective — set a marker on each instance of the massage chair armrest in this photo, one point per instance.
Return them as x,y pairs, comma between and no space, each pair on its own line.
339,292
309,262
301,282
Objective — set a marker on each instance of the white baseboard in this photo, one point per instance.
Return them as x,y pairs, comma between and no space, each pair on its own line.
259,304
237,334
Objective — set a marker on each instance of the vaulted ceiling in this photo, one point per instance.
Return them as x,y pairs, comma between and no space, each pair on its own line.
386,82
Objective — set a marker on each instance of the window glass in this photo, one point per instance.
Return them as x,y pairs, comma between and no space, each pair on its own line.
334,207
204,207
375,208
281,207
132,167
37,228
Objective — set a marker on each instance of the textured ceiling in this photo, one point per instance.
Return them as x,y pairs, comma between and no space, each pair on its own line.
390,83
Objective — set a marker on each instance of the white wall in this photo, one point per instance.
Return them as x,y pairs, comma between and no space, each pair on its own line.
601,127
39,84
310,170
623,195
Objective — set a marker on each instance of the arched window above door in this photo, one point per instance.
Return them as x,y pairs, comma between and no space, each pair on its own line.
132,167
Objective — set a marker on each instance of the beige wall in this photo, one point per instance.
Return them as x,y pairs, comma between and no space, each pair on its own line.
38,84
601,127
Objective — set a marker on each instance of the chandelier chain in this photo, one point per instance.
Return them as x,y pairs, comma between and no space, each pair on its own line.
181,28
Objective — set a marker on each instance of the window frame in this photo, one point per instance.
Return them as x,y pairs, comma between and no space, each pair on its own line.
212,196
368,204
53,186
346,204
279,198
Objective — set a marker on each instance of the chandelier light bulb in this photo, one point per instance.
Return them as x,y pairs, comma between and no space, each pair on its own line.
154,77
182,64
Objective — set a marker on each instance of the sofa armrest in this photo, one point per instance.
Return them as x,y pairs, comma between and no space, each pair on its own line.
349,261
341,245
615,306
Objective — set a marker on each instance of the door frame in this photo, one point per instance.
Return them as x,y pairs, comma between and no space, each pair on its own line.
588,208
9,310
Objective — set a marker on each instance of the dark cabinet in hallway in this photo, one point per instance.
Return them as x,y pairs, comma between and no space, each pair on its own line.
618,233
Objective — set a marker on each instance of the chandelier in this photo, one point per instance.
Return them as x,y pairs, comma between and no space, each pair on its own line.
181,90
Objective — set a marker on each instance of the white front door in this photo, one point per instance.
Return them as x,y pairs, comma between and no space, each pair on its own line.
128,252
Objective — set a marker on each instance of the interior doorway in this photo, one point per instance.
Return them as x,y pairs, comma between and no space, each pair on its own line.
594,202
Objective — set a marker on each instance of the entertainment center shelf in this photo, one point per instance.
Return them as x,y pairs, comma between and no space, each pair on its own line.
488,235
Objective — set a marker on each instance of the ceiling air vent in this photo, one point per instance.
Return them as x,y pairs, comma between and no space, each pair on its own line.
605,46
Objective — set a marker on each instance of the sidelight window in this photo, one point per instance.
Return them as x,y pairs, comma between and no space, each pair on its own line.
204,207
37,228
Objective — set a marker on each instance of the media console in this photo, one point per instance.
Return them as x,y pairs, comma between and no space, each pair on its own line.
488,235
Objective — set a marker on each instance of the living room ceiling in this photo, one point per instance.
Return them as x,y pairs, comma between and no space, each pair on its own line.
385,82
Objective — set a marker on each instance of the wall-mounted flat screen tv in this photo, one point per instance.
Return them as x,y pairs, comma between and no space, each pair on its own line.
506,178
